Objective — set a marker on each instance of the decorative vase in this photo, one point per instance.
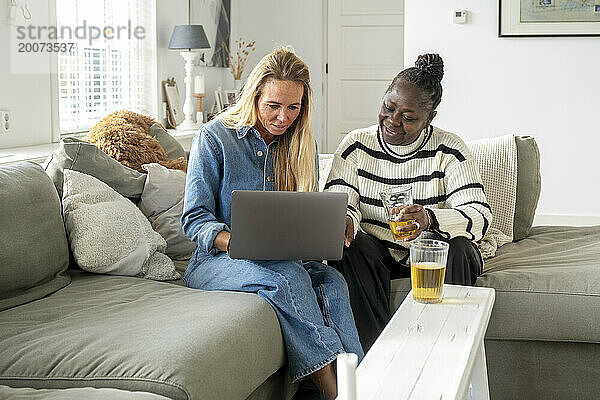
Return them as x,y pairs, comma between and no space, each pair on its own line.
237,85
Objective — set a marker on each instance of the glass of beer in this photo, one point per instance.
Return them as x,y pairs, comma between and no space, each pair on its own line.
394,200
427,269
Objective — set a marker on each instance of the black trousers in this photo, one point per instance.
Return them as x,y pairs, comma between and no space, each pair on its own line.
368,268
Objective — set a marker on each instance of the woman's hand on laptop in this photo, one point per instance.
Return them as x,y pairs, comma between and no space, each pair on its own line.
349,232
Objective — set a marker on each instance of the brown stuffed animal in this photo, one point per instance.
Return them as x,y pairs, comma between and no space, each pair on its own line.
123,135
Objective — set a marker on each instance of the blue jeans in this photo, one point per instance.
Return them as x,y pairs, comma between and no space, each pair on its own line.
310,299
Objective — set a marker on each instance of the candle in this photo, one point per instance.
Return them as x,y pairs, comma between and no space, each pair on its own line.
199,84
346,376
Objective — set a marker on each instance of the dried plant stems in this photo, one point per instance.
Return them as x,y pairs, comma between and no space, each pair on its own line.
237,61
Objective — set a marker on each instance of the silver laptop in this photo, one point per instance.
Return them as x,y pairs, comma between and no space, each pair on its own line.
268,225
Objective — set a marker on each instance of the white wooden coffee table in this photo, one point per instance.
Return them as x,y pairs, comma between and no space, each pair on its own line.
429,351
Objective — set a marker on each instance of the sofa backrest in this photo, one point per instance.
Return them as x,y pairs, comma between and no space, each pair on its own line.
34,253
529,185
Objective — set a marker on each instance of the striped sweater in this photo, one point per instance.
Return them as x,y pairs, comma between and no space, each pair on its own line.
438,166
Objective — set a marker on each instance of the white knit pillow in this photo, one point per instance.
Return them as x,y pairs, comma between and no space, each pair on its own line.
497,161
108,234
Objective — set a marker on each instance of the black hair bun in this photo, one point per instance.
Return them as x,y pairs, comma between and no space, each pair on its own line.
431,64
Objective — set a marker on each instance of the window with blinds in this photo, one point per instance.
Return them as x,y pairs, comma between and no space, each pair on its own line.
112,64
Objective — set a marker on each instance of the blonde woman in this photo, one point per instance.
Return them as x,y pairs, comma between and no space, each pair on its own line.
266,142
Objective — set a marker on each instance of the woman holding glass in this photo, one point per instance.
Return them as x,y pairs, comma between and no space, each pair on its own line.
447,195
265,142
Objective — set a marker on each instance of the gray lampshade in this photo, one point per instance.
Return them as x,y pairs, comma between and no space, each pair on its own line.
188,37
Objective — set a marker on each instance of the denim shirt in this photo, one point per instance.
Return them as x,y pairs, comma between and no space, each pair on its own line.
222,160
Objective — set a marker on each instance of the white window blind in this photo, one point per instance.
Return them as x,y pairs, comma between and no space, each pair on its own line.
115,71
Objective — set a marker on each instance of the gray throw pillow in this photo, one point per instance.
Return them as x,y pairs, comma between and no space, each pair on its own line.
34,251
162,204
529,185
170,145
82,156
108,234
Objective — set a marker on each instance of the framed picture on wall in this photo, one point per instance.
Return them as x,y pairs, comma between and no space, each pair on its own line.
215,17
527,18
174,109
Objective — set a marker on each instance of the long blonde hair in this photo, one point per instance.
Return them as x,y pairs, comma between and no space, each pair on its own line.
296,151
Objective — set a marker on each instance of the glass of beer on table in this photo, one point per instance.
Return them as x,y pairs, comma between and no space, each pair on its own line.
394,200
427,269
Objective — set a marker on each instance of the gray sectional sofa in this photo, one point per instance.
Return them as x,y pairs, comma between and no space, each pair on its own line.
64,332
65,328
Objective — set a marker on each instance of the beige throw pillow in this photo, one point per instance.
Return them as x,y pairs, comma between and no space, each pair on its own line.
108,234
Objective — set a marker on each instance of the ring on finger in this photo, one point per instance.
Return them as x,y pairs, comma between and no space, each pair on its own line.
418,225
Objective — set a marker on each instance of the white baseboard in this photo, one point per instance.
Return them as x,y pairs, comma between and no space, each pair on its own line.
566,220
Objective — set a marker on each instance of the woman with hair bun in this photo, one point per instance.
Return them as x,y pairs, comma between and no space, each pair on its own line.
265,142
449,202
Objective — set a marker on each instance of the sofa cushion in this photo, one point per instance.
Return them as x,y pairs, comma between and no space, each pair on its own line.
108,234
547,286
79,155
134,334
34,253
170,145
529,185
162,203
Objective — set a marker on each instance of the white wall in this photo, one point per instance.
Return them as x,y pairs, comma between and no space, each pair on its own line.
544,87
26,96
285,22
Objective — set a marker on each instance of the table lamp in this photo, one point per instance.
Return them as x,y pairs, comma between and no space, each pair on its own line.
188,37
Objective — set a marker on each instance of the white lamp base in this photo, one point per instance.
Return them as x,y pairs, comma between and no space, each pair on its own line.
188,107
188,125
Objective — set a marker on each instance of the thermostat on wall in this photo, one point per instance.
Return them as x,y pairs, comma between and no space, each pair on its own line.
460,16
